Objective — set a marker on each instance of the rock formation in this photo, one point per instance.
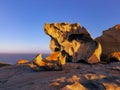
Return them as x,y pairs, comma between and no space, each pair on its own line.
74,41
110,41
68,41
22,61
4,64
49,63
115,56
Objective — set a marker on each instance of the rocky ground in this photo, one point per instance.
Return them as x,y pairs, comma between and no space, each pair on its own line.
74,76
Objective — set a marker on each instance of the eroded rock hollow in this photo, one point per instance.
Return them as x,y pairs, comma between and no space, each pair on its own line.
73,42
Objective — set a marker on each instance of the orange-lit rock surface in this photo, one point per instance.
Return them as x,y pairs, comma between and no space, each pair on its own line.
56,59
115,56
22,61
50,59
74,41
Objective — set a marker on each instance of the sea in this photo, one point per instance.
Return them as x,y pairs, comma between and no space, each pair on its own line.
13,58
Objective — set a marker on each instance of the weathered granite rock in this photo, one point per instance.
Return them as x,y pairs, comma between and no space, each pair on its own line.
75,86
74,41
115,56
110,41
111,86
21,61
52,62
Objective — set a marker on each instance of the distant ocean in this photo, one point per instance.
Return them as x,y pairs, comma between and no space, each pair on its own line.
13,58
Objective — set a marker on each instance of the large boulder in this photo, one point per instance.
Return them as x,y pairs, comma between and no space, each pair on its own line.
74,41
110,41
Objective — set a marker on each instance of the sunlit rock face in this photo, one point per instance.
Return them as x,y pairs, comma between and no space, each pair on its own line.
61,31
115,56
74,41
110,40
49,63
21,61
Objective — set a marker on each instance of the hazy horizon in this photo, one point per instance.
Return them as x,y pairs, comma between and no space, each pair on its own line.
22,21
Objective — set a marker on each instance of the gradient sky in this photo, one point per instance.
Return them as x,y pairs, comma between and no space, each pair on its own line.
22,21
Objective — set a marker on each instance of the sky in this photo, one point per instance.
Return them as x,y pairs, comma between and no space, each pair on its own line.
22,21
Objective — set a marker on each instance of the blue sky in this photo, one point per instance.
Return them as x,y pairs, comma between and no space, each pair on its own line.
22,21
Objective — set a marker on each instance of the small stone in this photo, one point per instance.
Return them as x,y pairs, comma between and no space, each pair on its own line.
22,61
111,86
54,84
74,86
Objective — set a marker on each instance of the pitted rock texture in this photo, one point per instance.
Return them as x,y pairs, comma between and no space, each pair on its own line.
61,31
74,40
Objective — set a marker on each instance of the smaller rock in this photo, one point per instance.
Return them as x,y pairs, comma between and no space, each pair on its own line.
75,86
52,62
114,56
111,86
38,60
93,76
55,57
73,79
61,79
55,84
22,61
34,67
